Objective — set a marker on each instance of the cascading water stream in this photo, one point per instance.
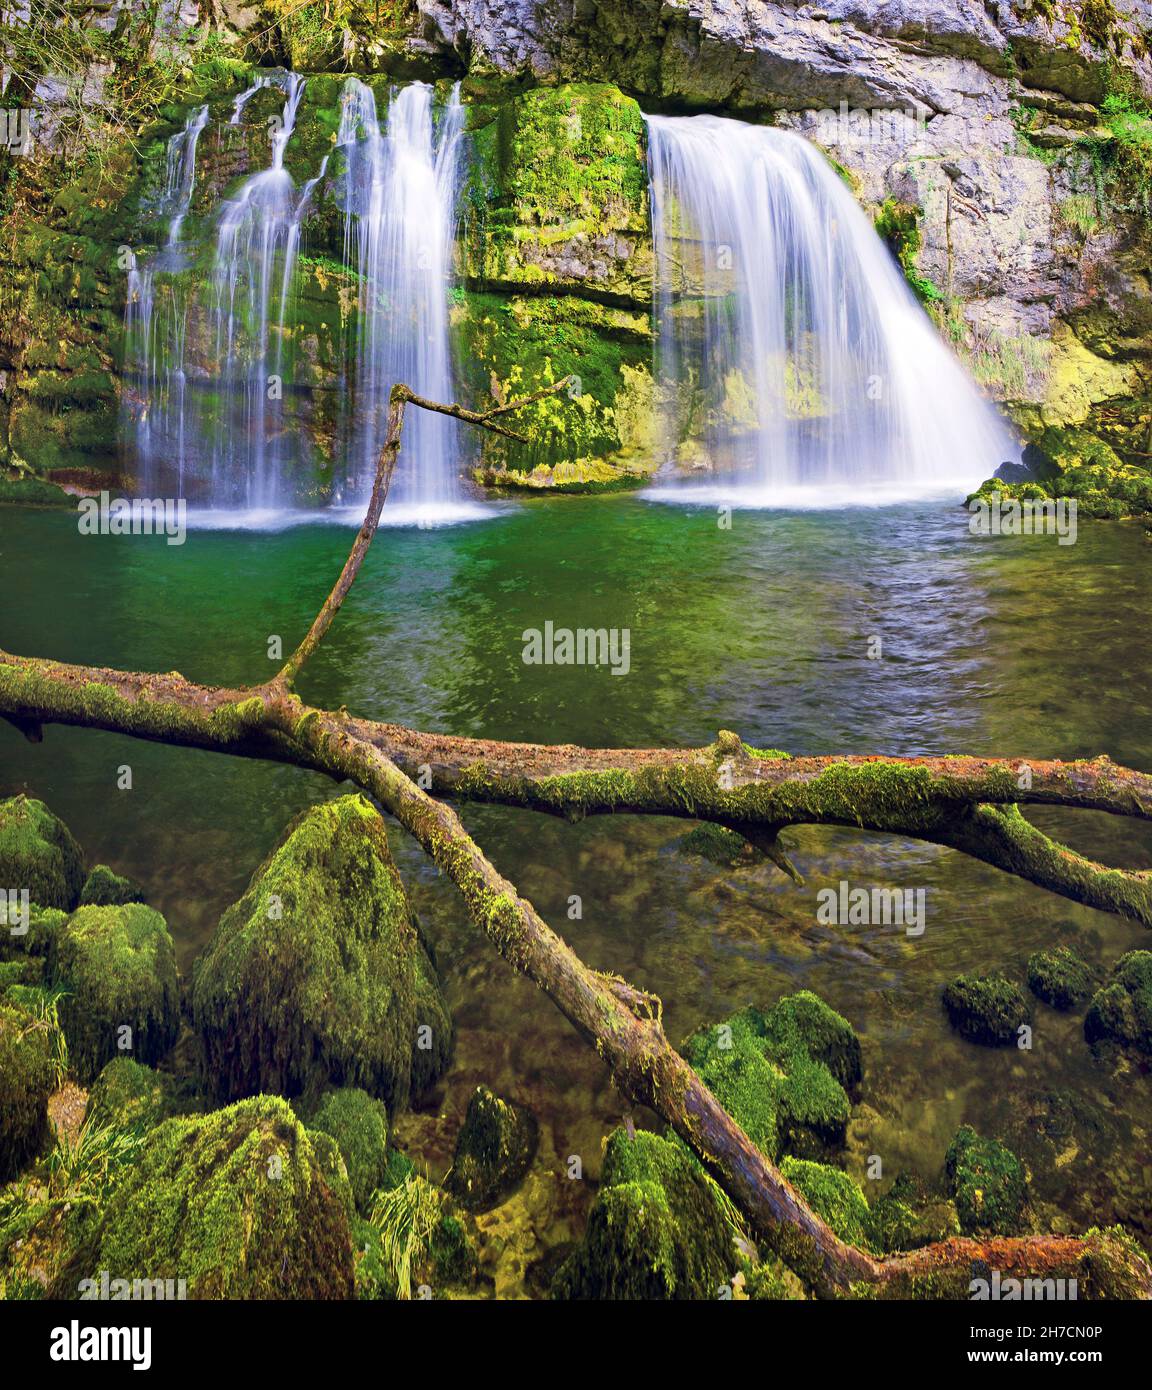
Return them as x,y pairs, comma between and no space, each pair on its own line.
399,207
788,338
234,435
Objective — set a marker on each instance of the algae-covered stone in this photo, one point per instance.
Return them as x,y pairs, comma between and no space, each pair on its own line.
988,1183
28,1076
39,854
1059,977
116,967
495,1149
803,1021
907,1216
987,1009
314,977
1121,1012
235,1203
42,925
103,888
834,1196
359,1125
657,1230
782,1074
130,1096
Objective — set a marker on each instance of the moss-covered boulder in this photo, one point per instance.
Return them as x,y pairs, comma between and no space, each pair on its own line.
103,888
1121,1013
316,976
988,1184
233,1202
28,1075
834,1196
986,1009
43,924
1059,977
493,1152
130,1096
116,968
359,1125
908,1216
782,1074
38,853
657,1230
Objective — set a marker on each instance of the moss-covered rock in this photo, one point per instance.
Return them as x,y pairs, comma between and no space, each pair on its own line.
987,1009
1121,1013
493,1152
28,1076
131,1097
833,1195
359,1125
116,968
988,1184
907,1216
43,924
656,1231
773,1072
103,888
39,854
1059,977
316,976
233,1202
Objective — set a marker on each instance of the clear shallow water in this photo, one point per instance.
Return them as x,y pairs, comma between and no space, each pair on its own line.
1014,646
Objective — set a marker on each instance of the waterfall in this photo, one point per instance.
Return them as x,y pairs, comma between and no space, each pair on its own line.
399,219
212,400
787,337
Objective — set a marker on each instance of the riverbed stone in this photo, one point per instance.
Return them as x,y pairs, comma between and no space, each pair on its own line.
28,1075
986,1009
1121,1012
116,968
494,1150
988,1183
39,854
358,1123
1060,977
656,1231
233,1202
316,976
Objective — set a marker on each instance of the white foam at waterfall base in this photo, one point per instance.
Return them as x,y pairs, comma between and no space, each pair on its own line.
412,515
786,325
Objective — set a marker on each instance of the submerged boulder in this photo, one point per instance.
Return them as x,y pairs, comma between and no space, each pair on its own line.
116,967
658,1229
359,1126
784,1075
988,1183
236,1204
495,1149
103,888
39,853
316,976
28,1076
1121,1012
987,1009
1059,977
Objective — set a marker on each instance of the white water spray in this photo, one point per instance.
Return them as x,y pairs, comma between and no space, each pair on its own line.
788,337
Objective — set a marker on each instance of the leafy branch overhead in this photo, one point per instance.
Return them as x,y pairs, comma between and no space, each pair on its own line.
965,803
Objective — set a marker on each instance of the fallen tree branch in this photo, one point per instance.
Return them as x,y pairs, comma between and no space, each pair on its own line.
965,802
